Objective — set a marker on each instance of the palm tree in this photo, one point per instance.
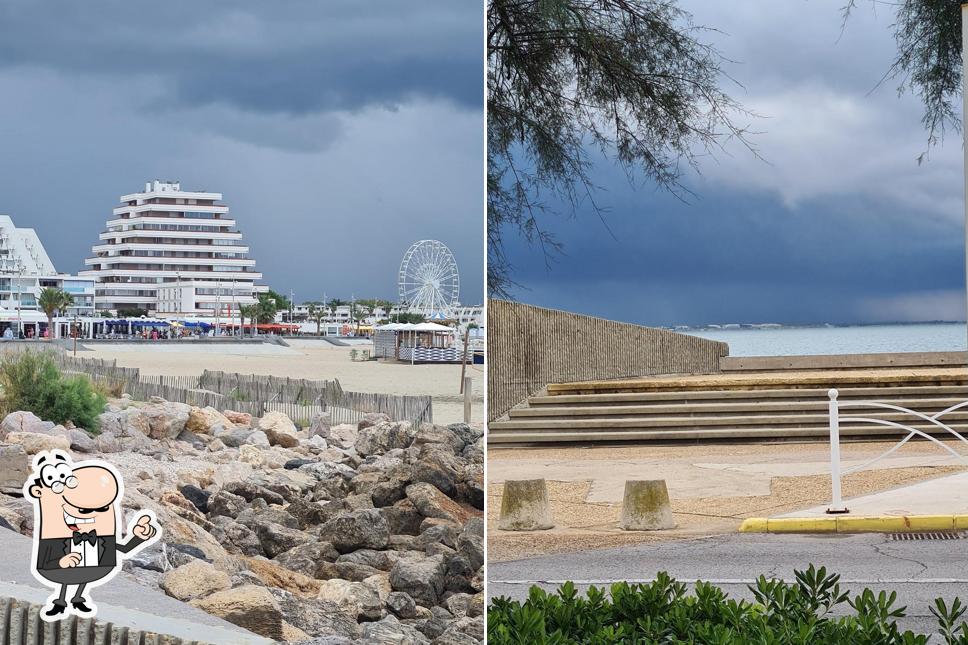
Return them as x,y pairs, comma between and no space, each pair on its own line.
53,301
316,312
266,309
246,311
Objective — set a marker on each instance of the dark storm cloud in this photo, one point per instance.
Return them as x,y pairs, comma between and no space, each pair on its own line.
291,57
835,221
339,132
735,258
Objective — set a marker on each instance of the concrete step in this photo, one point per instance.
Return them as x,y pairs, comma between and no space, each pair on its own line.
792,394
811,380
498,435
731,408
959,417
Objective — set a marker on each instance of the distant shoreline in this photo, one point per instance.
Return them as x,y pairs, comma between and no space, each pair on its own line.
778,326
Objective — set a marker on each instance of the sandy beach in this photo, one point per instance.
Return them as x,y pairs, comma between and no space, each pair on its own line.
310,359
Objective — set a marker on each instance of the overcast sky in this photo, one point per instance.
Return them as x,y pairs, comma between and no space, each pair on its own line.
339,132
838,223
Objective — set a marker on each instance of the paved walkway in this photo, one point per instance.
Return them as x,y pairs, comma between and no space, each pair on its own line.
696,471
942,496
122,602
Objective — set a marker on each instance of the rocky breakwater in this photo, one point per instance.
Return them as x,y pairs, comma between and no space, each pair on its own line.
329,534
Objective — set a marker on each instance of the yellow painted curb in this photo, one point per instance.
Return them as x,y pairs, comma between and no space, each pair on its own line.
801,525
753,525
860,524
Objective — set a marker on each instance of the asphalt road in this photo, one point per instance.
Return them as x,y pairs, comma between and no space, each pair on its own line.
919,571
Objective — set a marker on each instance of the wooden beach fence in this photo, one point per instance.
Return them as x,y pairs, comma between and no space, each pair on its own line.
254,394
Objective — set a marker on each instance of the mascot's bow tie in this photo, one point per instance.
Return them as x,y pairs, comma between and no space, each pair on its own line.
90,536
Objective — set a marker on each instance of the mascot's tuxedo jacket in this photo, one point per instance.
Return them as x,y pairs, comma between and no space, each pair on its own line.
50,551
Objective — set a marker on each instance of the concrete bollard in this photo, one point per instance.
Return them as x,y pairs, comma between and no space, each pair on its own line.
525,506
646,506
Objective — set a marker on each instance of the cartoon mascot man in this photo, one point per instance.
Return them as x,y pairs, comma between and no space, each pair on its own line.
76,518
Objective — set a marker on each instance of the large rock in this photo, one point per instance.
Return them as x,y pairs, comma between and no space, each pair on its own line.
238,418
81,441
14,467
470,542
232,437
250,491
33,442
402,605
438,467
324,620
279,429
421,578
319,425
358,599
249,454
277,539
107,442
22,421
343,435
365,529
166,419
257,438
306,558
273,575
390,630
225,503
202,420
378,439
323,470
196,579
196,496
235,536
312,514
431,502
372,419
248,606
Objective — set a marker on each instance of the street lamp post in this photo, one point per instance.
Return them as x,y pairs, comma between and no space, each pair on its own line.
20,322
964,130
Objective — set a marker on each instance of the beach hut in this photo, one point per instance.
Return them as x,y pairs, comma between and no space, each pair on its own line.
425,342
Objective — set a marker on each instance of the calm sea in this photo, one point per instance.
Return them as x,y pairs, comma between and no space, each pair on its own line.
790,341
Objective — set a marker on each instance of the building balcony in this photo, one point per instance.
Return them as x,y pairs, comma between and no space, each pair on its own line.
208,276
138,232
168,219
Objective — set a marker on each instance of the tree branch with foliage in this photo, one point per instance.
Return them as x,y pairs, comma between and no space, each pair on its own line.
928,61
631,79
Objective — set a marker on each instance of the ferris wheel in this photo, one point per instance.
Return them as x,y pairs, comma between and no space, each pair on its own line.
429,282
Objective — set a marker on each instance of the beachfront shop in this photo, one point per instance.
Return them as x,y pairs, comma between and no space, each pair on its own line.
276,329
424,342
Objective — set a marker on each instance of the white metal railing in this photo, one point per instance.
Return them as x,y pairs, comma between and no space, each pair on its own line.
837,503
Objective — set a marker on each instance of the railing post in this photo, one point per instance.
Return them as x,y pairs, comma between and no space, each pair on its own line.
467,389
836,503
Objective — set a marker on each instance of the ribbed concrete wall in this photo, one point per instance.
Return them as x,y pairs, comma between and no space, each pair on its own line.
529,347
20,624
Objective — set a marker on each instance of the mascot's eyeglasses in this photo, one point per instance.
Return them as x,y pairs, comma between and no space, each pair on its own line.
57,476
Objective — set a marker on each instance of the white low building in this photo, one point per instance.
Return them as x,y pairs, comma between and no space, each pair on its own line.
26,269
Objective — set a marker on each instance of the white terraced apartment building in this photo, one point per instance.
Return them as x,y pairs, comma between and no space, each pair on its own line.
173,253
26,269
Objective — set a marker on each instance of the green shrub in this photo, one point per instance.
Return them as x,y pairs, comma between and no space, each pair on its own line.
662,612
32,382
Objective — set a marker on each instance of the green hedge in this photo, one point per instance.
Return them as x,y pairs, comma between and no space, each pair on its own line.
662,612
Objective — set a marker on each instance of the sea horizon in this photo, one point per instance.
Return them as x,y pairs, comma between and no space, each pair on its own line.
809,340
